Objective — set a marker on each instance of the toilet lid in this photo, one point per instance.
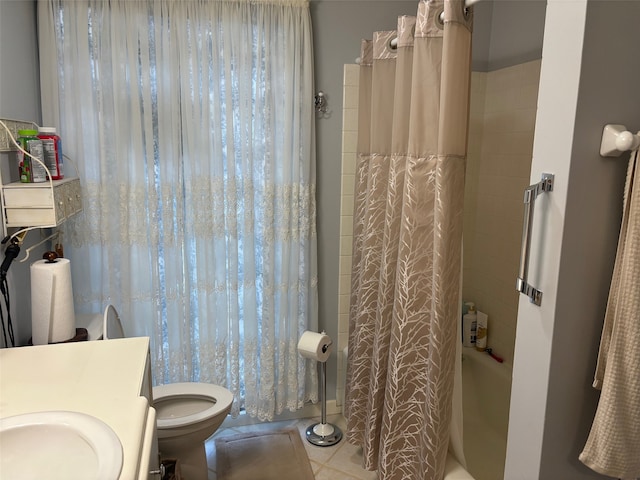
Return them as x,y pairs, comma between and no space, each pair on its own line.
206,400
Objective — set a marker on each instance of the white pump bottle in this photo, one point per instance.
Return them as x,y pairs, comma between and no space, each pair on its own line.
469,326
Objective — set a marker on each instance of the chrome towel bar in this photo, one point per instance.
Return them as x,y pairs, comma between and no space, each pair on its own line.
530,195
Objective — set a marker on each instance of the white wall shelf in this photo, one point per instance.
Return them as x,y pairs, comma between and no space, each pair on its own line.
27,205
6,145
45,205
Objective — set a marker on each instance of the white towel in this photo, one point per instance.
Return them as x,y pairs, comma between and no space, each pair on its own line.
613,446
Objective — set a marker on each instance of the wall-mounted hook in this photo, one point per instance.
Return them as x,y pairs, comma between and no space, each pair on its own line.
616,139
55,235
320,102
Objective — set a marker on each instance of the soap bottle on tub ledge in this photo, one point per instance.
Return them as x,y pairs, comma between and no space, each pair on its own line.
469,325
482,321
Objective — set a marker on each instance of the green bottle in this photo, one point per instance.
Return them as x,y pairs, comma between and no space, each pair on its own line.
31,170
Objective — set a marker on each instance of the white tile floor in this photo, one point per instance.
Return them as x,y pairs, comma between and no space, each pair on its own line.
338,462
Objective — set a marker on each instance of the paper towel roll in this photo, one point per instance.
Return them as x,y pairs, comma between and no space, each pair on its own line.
52,315
316,346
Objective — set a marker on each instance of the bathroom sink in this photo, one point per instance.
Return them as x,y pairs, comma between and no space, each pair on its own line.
58,445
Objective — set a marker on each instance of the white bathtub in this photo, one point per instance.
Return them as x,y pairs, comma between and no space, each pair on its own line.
454,471
486,392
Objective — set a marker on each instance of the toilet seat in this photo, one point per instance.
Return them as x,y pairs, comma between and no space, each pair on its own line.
101,326
220,399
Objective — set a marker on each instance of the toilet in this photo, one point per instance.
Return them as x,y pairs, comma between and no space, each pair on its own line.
187,413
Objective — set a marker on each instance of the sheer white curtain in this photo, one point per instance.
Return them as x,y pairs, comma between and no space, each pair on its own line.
191,124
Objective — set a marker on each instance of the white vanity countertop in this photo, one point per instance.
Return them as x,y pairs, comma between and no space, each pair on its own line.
101,378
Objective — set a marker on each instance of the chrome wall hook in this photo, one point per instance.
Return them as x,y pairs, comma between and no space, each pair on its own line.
320,102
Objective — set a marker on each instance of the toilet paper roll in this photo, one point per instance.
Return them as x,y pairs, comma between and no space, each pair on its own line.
316,346
52,315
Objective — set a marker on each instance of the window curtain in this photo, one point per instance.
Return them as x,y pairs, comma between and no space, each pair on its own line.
190,124
404,343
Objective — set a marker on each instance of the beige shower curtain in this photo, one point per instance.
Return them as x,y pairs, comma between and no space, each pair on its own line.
405,297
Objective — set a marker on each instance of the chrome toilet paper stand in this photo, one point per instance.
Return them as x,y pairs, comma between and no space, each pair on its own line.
323,434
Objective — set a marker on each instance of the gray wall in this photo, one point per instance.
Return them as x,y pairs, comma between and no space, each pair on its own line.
517,28
608,93
19,73
19,100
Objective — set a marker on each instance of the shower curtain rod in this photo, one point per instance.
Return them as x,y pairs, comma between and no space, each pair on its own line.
467,3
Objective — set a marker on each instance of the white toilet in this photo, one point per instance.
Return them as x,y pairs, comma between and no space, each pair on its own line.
187,413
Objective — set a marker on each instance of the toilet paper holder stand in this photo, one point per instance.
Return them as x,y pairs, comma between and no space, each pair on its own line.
323,434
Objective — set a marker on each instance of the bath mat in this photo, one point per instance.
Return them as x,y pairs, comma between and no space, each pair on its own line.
263,456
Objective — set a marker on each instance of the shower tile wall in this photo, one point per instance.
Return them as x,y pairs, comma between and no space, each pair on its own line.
501,130
349,139
502,121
